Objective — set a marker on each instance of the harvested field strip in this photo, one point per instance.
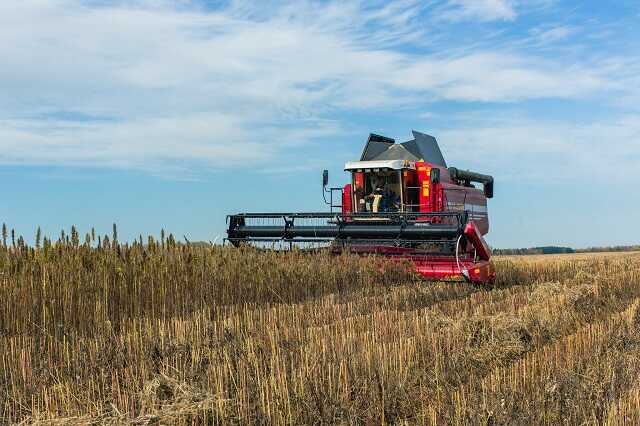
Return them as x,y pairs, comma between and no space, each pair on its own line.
536,269
361,348
450,301
566,257
568,382
344,339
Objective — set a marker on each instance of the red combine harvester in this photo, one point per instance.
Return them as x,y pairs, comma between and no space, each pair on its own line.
402,203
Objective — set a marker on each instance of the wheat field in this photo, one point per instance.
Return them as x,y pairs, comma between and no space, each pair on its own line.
169,333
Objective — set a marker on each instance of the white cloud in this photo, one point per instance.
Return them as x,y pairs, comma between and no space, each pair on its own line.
525,148
497,77
178,85
554,34
154,145
482,10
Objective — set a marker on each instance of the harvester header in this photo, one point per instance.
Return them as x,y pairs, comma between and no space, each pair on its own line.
402,202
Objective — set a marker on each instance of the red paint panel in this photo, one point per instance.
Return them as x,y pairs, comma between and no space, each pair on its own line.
358,190
447,268
479,243
432,267
358,179
423,171
347,204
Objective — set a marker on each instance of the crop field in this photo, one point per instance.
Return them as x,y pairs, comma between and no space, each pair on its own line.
168,333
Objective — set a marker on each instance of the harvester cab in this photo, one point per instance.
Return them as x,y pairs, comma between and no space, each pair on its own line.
402,202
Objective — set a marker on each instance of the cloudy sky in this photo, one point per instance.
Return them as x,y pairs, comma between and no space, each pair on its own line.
153,113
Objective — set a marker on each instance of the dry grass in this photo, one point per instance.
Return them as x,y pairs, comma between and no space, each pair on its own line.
565,256
192,335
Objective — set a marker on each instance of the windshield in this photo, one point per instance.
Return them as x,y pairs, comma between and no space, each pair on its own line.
377,191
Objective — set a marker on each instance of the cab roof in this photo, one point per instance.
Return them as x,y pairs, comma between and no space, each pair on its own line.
421,147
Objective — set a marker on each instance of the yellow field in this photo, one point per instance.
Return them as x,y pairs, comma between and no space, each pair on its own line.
566,256
175,334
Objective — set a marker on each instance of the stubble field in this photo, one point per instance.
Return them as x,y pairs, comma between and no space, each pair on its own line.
174,334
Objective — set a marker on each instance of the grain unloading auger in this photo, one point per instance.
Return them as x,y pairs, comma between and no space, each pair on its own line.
403,202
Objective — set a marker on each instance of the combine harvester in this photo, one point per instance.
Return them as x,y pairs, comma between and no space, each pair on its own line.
402,203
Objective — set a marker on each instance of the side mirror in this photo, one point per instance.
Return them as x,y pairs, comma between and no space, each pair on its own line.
325,178
435,176
488,189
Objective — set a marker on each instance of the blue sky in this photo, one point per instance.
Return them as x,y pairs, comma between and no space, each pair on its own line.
171,114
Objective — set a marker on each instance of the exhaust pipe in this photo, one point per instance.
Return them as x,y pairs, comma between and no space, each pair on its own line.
469,176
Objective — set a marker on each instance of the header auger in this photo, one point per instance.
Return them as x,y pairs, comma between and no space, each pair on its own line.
402,203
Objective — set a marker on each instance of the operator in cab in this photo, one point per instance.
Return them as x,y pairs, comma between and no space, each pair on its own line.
375,199
382,199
